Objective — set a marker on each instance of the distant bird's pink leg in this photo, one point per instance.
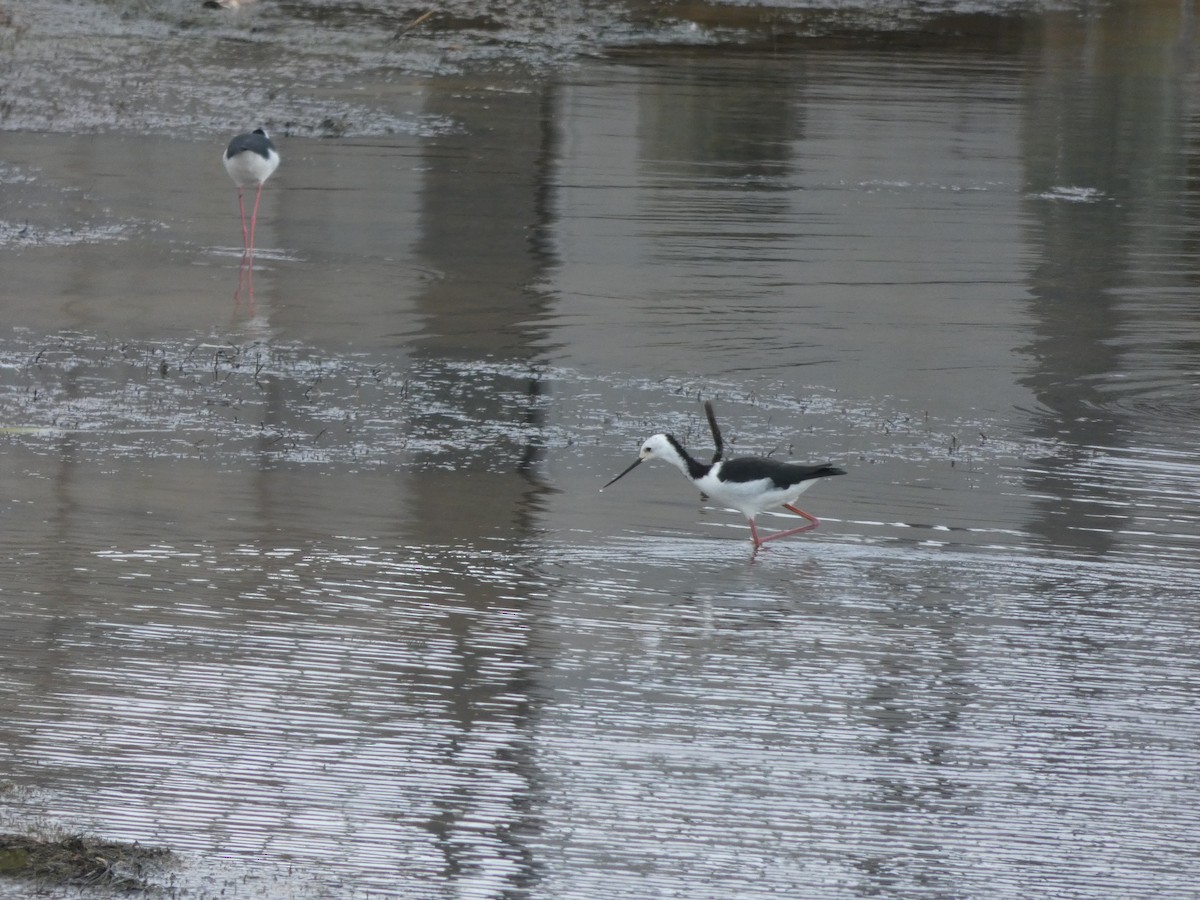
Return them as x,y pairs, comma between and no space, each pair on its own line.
254,218
245,234
244,271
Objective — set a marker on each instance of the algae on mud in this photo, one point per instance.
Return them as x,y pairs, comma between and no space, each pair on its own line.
79,860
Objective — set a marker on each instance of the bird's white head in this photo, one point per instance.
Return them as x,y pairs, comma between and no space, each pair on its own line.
661,446
657,446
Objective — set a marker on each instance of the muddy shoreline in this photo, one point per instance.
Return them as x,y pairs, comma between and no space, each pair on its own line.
79,860
331,69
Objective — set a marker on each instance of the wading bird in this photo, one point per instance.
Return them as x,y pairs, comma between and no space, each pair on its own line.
749,484
250,159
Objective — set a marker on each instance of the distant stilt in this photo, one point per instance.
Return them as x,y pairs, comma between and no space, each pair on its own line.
250,159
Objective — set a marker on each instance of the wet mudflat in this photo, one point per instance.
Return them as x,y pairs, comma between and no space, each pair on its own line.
318,589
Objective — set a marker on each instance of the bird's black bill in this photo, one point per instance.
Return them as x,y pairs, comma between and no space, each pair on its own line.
637,462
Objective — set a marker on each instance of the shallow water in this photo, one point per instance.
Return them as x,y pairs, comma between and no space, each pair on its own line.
320,591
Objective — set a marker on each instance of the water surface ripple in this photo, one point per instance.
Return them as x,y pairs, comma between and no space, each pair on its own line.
320,590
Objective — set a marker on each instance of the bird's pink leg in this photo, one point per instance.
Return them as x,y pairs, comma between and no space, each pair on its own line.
245,234
782,534
244,267
246,270
254,219
802,513
813,522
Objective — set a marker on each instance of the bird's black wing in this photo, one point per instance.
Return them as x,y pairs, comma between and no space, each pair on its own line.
751,468
251,142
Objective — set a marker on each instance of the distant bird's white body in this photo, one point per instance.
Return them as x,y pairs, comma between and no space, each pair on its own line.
749,484
251,158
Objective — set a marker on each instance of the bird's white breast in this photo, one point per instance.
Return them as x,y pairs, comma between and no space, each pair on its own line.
247,168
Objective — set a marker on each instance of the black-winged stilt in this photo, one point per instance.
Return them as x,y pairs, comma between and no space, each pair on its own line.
749,484
250,159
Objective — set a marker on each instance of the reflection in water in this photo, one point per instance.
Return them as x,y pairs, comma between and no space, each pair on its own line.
486,209
336,589
490,254
245,280
1102,115
716,144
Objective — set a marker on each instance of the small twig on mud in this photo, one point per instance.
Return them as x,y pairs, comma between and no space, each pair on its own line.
411,25
187,357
